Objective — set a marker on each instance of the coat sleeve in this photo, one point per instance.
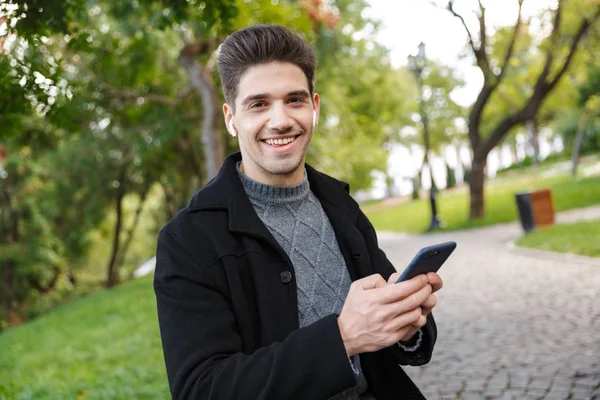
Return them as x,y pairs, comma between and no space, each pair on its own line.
383,266
203,349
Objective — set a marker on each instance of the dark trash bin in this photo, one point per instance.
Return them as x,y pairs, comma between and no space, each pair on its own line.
536,209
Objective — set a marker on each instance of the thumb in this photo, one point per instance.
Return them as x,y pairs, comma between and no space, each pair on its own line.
393,278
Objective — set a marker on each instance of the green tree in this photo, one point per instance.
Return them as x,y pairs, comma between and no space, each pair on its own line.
570,22
364,100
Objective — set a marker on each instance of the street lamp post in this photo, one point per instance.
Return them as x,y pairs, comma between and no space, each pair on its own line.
417,64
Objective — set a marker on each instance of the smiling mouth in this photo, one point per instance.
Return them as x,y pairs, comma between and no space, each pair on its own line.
280,142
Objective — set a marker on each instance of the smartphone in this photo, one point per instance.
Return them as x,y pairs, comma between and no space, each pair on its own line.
428,259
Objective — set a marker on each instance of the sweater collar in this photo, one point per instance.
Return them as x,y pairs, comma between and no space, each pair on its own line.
270,194
226,191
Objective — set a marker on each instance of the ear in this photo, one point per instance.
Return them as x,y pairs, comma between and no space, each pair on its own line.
229,123
231,128
316,109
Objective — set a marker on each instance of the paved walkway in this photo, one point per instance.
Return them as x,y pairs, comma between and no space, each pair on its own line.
513,323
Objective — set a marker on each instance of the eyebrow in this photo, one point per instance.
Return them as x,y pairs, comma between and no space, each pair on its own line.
260,96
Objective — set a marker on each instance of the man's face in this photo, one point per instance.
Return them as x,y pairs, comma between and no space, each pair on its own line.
274,122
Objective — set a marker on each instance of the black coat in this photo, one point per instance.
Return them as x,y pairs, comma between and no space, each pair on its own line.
228,311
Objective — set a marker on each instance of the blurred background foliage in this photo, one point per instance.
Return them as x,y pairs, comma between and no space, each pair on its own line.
110,116
105,135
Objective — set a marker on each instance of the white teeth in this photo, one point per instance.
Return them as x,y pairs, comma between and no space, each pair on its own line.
280,142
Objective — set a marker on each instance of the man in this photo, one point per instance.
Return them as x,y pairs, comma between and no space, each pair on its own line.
270,284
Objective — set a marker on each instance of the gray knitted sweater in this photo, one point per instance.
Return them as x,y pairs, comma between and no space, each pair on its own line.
296,219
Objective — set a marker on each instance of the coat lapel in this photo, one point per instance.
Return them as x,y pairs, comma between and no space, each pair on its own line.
226,191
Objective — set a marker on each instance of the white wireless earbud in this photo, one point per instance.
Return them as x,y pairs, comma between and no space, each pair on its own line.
231,128
314,118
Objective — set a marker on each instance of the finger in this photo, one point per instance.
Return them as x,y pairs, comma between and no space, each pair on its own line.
435,281
399,335
402,290
406,320
410,334
393,278
370,282
428,304
407,304
414,328
380,283
414,300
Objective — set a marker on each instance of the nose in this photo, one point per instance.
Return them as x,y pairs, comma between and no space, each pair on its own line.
280,120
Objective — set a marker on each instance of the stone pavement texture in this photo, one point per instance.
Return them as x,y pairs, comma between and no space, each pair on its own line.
512,323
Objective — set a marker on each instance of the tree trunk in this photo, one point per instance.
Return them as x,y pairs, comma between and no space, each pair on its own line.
425,164
578,141
426,135
8,290
9,236
418,180
170,204
476,187
72,277
202,83
534,141
420,173
129,233
113,271
434,185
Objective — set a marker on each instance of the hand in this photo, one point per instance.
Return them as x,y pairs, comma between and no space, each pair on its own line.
376,315
436,284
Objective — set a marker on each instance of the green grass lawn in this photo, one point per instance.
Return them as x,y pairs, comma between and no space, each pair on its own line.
578,238
453,207
105,346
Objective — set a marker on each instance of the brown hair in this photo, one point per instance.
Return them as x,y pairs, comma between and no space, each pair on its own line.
261,44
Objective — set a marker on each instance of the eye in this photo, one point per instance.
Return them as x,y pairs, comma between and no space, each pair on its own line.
258,104
296,100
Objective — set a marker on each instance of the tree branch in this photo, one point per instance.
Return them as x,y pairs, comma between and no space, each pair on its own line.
512,120
37,285
480,54
541,81
511,46
482,34
542,87
451,9
585,24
